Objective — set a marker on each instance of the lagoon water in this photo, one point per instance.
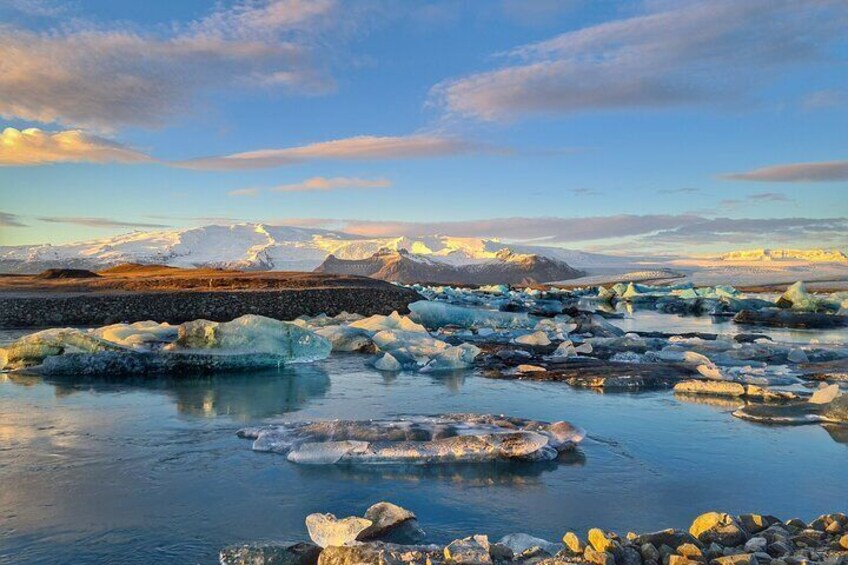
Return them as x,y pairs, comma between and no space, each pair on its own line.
152,471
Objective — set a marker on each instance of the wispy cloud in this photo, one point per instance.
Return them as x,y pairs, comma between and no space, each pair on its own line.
245,192
694,52
823,99
685,190
585,192
100,222
752,232
36,147
9,220
826,171
365,147
88,75
333,183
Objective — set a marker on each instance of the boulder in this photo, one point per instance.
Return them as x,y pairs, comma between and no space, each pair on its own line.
327,530
573,544
391,523
714,388
720,528
671,538
473,550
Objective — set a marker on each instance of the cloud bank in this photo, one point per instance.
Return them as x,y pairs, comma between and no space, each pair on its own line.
685,53
33,146
826,171
99,222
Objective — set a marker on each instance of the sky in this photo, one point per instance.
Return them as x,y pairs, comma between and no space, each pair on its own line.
653,127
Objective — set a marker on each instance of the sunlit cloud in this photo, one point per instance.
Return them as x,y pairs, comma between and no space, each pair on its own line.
360,148
826,171
686,53
333,183
245,192
87,75
685,190
100,222
796,231
33,146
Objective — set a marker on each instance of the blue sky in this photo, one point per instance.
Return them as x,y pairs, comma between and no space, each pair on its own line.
653,126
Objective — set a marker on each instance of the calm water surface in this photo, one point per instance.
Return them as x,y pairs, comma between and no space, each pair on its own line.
147,472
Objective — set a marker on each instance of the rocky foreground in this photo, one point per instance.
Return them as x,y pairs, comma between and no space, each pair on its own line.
390,535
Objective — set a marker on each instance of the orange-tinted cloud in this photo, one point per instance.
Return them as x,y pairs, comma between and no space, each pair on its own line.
33,146
825,171
333,183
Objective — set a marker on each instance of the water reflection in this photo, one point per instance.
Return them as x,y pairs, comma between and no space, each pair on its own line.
238,396
501,473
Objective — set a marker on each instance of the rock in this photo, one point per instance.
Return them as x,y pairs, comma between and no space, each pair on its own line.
670,537
629,556
327,530
715,388
779,548
473,550
573,544
649,552
843,542
379,553
601,541
598,557
836,410
681,560
826,521
756,544
755,523
825,394
519,543
735,559
796,524
718,527
788,319
500,553
270,554
690,550
391,520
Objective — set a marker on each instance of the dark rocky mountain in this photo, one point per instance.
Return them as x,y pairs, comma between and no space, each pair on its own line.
400,266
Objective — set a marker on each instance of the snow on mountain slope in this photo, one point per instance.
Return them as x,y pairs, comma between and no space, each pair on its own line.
263,247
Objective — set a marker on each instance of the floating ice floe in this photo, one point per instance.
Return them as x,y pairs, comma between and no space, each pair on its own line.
201,345
827,405
451,438
437,314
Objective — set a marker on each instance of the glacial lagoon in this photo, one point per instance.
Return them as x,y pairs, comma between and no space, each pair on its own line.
139,470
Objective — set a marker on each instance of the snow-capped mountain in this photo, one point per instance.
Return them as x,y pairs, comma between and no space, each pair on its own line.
264,247
805,255
401,266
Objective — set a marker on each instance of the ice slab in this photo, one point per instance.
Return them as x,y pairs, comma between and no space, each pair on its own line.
452,438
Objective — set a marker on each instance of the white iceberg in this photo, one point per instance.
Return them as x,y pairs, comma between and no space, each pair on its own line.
438,314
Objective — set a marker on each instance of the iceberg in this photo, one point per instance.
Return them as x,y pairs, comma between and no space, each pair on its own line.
201,345
450,438
438,314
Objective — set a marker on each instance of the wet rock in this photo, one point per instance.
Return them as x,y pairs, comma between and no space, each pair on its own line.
327,530
500,553
270,554
379,553
473,550
649,552
629,555
718,527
